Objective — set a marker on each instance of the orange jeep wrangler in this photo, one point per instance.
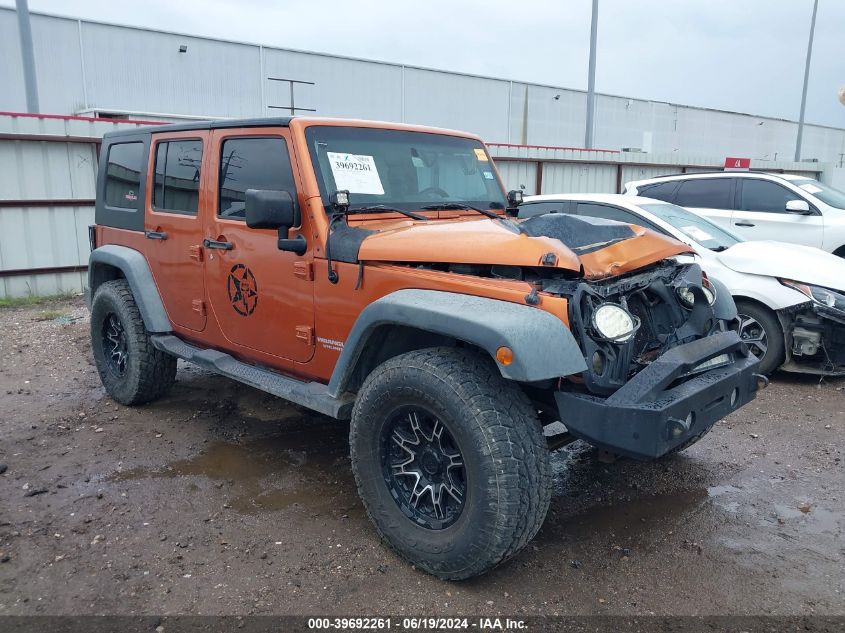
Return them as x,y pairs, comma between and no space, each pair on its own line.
374,272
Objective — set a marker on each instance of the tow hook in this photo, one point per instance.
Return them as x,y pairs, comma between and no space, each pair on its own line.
762,381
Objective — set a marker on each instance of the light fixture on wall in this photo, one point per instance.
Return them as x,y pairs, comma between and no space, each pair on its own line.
183,48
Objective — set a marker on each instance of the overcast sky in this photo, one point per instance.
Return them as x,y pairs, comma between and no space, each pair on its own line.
746,56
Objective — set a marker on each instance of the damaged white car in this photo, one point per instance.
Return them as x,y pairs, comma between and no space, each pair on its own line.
790,298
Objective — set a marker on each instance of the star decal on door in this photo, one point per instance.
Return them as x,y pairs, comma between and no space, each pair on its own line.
243,290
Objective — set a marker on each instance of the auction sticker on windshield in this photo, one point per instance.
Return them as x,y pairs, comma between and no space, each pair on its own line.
356,173
696,233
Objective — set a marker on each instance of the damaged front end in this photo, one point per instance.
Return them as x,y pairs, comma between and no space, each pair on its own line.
815,335
678,372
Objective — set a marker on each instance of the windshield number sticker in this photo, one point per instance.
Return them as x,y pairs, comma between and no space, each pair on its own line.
356,173
696,233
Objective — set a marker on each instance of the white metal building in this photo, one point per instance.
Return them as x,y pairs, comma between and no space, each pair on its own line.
98,69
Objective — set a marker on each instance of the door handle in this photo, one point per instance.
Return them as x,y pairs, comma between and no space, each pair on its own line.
222,246
743,224
155,235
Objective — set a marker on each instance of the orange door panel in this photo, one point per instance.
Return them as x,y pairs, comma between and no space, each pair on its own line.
173,227
261,297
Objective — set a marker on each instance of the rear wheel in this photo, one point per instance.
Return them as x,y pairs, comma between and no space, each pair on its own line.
760,330
450,461
131,369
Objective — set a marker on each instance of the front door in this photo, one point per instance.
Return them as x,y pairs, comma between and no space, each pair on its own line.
262,298
761,215
173,227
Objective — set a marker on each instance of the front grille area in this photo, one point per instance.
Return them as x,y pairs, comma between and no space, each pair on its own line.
664,322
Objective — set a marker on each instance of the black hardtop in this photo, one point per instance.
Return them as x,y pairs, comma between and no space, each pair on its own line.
200,125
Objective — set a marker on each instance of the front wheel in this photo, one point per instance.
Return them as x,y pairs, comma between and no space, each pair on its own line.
450,461
760,330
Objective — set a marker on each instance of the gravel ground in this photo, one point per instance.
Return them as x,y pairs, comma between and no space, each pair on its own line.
223,500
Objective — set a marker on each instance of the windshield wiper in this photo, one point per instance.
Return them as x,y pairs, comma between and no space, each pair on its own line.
381,208
459,206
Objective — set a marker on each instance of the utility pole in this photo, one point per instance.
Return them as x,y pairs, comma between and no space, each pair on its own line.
27,56
591,80
806,80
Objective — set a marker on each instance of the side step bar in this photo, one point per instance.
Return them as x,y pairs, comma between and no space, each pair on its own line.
312,395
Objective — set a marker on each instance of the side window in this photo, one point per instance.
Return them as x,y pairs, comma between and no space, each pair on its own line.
661,191
123,175
613,213
176,182
252,163
763,195
530,209
707,193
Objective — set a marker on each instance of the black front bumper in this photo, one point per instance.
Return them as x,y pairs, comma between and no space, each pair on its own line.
666,403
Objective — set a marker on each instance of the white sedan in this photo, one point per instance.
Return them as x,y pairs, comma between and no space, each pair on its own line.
790,298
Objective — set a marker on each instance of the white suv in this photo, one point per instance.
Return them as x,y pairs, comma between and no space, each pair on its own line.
758,205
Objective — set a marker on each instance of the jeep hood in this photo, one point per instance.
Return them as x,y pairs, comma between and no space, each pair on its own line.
787,261
596,248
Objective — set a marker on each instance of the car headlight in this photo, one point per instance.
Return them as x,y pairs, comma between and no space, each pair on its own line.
688,299
614,323
824,296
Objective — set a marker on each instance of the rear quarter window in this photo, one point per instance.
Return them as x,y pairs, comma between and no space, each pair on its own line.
661,191
123,175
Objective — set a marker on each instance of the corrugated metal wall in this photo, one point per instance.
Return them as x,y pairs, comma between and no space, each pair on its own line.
566,170
87,67
46,202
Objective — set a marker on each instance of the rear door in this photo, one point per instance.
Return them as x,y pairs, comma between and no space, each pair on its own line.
761,214
710,197
173,226
262,298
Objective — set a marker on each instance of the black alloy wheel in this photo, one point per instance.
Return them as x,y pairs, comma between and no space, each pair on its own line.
115,348
423,468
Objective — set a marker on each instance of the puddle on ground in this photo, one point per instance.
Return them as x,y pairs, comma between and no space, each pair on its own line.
655,515
306,467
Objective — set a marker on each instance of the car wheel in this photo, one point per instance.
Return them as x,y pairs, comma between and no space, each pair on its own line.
450,461
760,330
131,369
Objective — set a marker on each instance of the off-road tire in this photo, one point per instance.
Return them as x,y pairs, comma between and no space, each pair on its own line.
775,352
498,433
149,373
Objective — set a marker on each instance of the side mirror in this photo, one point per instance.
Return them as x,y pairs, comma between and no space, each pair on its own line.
268,209
801,207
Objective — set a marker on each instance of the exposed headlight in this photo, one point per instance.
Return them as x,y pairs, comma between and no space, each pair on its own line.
614,323
688,299
829,298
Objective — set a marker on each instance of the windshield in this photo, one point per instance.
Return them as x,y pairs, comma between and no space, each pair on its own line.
695,227
828,195
407,170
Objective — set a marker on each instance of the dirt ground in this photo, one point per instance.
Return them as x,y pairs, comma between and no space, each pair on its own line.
222,500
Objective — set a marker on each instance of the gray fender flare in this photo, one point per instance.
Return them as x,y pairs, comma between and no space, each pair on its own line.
724,308
543,347
137,272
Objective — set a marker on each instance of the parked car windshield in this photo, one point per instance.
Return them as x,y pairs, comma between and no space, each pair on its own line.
697,228
406,170
828,195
